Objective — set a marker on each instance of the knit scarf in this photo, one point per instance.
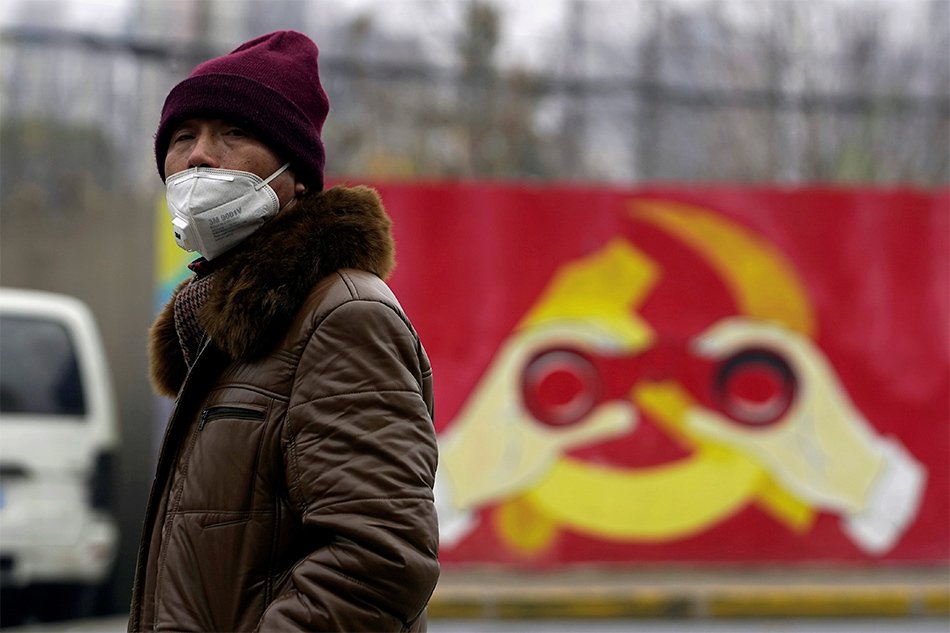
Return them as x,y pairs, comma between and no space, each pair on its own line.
188,304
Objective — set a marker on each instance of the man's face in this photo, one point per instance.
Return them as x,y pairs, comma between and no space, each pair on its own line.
220,144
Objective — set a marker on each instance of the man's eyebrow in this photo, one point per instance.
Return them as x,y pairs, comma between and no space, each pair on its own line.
183,125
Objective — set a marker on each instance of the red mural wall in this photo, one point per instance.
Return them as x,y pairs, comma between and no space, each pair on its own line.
683,374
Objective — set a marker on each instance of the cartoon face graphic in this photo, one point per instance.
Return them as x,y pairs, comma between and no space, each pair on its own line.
606,416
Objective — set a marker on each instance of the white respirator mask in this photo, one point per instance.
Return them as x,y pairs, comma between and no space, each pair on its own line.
214,210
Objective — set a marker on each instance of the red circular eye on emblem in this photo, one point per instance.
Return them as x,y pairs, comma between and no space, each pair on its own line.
560,386
755,387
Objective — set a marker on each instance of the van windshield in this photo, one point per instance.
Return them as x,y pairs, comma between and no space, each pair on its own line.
39,373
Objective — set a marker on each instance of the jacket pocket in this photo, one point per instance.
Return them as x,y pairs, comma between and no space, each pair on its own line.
212,578
226,412
221,472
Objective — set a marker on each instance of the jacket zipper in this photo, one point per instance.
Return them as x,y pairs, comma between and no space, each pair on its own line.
138,597
234,413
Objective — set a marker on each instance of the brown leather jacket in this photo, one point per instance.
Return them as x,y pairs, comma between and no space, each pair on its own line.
294,485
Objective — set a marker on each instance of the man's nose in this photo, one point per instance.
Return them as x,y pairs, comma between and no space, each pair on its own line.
205,152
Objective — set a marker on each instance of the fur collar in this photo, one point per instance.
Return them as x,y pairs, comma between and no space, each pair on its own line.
261,284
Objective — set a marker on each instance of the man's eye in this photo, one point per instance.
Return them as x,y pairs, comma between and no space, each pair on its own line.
182,136
236,132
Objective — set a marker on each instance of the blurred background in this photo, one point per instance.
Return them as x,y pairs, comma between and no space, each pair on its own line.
626,95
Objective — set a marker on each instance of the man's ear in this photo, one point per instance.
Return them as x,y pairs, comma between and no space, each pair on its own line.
299,189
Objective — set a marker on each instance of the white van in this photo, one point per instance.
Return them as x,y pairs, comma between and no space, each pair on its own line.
58,442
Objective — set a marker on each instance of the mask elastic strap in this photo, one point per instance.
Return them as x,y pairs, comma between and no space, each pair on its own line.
272,176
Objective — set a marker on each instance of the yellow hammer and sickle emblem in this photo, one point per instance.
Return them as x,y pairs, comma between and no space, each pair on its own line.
670,501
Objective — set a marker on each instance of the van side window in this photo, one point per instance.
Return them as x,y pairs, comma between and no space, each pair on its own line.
39,372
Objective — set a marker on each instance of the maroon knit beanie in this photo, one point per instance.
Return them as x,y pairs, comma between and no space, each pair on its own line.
269,85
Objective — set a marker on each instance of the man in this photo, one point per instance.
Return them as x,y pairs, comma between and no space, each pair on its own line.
294,484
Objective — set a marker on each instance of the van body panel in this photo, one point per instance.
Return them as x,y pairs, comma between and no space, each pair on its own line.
56,423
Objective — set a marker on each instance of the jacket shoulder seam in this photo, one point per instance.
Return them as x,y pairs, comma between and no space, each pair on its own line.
348,282
395,309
